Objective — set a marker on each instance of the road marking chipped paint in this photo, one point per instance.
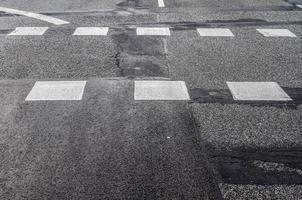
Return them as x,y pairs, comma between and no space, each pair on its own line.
257,91
161,3
52,20
91,31
29,31
158,31
276,33
56,90
160,90
215,32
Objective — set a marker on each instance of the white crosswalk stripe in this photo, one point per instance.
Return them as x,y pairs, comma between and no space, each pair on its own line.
160,90
257,91
29,31
157,31
161,3
276,33
91,31
56,90
215,32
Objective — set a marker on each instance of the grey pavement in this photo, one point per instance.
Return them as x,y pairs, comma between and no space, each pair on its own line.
109,146
106,146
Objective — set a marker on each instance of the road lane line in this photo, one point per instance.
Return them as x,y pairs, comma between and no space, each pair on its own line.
57,91
300,6
257,91
52,20
276,33
215,32
159,31
91,31
29,31
160,90
161,3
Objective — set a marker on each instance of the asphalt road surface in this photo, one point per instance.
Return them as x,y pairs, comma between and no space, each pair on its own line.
93,107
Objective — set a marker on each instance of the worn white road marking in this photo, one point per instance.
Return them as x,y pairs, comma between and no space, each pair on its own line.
215,32
300,6
91,31
56,90
160,90
257,91
52,20
153,31
276,33
29,31
161,3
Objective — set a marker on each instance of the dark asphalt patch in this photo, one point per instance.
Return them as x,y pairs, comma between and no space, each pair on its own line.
227,23
137,4
295,2
59,31
140,56
255,169
143,66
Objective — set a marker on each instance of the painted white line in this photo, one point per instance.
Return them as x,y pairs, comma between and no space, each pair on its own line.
56,90
276,33
257,91
52,20
91,31
215,32
300,6
160,90
29,31
161,3
158,31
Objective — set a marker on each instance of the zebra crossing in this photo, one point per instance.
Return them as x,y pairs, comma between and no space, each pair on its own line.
157,90
151,31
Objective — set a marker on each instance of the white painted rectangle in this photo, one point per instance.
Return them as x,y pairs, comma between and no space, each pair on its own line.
158,31
161,3
56,90
215,32
160,90
29,31
257,91
276,33
46,18
91,31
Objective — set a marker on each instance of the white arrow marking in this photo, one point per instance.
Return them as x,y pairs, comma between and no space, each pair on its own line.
52,20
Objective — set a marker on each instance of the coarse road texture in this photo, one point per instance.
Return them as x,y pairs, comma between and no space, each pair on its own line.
108,144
